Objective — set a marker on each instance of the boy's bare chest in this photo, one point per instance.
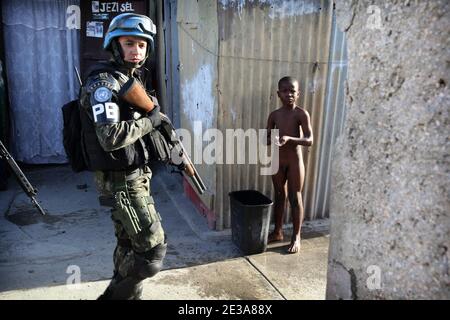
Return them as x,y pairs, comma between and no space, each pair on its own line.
288,121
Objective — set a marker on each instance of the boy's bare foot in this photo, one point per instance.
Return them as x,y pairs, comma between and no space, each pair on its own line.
275,236
294,247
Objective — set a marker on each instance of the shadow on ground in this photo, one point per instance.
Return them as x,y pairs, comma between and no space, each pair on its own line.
76,236
75,242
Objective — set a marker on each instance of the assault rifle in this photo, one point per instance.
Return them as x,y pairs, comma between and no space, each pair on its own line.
178,151
135,94
23,181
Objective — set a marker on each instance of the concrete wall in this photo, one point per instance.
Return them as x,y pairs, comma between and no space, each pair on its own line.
198,52
390,200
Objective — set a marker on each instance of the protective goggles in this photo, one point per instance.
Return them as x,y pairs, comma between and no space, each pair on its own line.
136,23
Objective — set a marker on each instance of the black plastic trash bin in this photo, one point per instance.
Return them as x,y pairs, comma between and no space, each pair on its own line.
250,220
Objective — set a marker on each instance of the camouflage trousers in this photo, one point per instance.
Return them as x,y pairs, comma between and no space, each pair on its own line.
141,244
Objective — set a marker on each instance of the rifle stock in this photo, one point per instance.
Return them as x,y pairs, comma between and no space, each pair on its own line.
134,93
21,178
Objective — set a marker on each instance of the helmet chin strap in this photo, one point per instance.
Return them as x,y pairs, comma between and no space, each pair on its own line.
118,55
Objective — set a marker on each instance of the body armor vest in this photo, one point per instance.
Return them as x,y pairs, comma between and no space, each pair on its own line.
126,158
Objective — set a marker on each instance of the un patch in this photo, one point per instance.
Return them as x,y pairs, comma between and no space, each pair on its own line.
102,94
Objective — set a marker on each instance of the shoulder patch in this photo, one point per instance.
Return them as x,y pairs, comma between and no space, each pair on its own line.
102,88
105,80
106,113
102,94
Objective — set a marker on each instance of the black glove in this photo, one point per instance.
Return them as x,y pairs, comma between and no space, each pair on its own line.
154,116
165,118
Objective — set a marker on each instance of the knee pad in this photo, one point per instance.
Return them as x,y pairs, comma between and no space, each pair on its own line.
149,263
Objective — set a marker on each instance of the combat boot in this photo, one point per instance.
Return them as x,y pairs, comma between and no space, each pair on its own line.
120,288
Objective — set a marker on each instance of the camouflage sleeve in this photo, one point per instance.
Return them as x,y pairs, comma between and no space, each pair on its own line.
113,136
103,106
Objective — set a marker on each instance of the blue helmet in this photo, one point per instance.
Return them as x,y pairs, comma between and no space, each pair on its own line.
130,24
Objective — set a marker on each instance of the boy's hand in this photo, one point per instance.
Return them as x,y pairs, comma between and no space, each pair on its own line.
277,140
283,140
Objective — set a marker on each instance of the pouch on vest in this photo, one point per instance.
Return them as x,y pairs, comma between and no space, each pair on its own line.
158,147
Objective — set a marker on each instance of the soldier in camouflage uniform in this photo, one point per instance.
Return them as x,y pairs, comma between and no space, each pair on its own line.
114,147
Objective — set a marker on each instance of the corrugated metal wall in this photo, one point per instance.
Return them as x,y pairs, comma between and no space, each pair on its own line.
259,42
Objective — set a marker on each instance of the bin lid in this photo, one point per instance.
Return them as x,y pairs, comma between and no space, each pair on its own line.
250,198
